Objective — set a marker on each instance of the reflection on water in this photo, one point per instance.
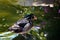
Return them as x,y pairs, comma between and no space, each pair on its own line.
7,36
14,36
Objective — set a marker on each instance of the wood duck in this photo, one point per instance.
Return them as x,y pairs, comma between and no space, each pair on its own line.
22,26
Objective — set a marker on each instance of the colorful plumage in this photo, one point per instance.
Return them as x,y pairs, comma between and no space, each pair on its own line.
22,26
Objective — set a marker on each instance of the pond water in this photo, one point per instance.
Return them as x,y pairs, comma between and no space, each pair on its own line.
8,36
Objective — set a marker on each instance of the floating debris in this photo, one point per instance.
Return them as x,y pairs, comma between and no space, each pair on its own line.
17,11
40,37
42,15
0,25
3,19
5,25
20,11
